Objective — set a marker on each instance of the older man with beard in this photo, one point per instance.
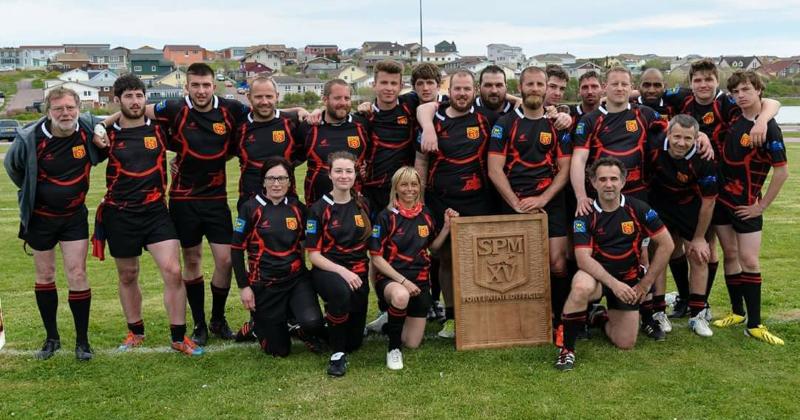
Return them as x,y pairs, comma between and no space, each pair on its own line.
529,165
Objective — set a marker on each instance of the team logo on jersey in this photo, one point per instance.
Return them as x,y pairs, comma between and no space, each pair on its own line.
402,120
627,228
545,138
473,133
278,136
650,215
631,126
376,231
219,128
359,220
423,231
745,140
78,152
579,226
311,227
238,225
682,177
708,118
497,132
150,142
353,142
291,223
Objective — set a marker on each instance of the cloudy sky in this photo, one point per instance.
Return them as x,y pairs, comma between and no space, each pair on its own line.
583,28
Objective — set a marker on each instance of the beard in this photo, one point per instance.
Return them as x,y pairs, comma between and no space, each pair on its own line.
532,101
467,105
132,113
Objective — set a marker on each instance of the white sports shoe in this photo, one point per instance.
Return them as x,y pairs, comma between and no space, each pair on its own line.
663,321
394,359
699,325
670,298
706,313
376,326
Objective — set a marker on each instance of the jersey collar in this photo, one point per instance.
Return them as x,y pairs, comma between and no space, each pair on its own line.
375,105
443,117
689,154
263,201
600,210
506,104
603,109
250,115
47,132
328,199
118,128
521,114
349,119
660,101
214,101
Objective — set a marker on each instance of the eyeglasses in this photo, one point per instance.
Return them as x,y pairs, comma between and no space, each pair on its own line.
276,179
60,109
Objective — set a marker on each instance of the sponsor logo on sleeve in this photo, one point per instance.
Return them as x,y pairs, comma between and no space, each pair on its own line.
651,215
161,106
580,129
311,227
497,132
579,226
239,225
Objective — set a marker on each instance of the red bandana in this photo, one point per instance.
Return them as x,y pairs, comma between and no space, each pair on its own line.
408,213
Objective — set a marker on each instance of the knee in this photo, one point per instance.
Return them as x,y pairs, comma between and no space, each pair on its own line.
129,275
399,298
172,273
625,343
749,263
583,286
46,276
558,264
76,272
310,323
413,343
223,262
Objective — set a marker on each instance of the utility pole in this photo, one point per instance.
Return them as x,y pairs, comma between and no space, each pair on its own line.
421,45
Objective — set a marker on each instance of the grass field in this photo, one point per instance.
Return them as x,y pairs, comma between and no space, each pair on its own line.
726,376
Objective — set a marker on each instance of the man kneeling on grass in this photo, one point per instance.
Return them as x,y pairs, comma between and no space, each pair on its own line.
607,249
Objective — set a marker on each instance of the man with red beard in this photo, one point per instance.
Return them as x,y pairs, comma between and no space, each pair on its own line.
133,215
529,166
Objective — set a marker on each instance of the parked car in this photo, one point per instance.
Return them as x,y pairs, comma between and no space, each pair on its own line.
8,129
228,83
220,77
35,107
241,91
229,96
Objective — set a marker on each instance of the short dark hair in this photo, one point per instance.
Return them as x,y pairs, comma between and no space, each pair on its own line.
554,70
199,69
530,69
703,65
426,71
274,161
491,69
462,72
606,161
388,67
591,74
128,82
741,76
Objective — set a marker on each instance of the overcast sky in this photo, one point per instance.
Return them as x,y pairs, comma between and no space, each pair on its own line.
582,28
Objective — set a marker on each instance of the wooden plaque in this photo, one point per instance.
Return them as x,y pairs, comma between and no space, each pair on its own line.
501,281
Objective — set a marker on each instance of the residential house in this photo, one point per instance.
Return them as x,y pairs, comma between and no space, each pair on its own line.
184,55
161,93
253,69
680,61
350,52
68,61
506,55
74,75
90,95
320,65
440,59
233,53
149,63
10,58
289,84
174,79
781,68
265,56
471,63
104,81
321,50
349,74
373,52
38,56
445,47
542,60
84,48
737,62
414,49
576,70
116,59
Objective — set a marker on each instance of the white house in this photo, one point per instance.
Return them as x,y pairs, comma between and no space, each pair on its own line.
89,95
38,56
74,75
264,56
506,55
440,58
289,84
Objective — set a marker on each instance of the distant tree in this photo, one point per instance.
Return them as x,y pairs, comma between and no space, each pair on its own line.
656,63
365,94
310,99
513,86
289,70
292,99
323,76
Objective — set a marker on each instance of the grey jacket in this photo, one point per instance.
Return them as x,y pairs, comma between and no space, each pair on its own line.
21,163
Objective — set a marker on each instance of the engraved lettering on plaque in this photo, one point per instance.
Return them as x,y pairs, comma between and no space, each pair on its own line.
501,263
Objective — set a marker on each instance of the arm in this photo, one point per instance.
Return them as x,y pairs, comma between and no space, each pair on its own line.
658,263
14,161
497,175
386,269
769,109
577,175
779,175
323,263
421,166
587,263
301,112
516,101
425,115
560,180
245,292
437,243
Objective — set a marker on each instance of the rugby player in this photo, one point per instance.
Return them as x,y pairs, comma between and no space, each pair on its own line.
528,164
738,218
607,248
134,215
49,162
683,189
